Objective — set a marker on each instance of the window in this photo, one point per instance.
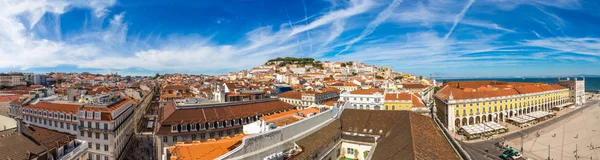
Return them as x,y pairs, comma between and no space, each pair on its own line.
89,125
193,137
97,157
97,125
74,127
193,127
82,134
98,147
105,158
184,127
174,138
165,139
89,134
68,126
105,136
211,125
97,135
106,147
61,124
202,126
90,145
105,125
184,138
350,151
174,128
212,135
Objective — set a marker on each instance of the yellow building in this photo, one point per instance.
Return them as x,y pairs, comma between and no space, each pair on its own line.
467,103
403,101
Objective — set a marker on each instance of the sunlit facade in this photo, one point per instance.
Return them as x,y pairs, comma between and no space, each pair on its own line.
470,103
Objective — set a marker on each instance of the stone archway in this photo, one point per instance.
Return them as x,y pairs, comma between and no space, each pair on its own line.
377,107
464,122
477,119
489,117
501,117
457,123
471,120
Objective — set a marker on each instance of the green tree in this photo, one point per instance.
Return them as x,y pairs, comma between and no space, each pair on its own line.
343,64
398,77
354,73
436,89
379,77
420,77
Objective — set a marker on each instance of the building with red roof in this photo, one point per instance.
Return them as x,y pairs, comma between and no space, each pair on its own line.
467,103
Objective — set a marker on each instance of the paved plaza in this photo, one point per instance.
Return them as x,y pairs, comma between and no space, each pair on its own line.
583,123
578,132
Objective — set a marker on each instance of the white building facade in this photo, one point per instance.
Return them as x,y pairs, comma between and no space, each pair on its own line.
107,128
370,99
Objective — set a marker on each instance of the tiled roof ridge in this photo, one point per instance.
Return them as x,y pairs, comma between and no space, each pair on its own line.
224,104
412,137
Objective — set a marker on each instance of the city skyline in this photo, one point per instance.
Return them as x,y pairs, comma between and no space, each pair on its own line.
463,38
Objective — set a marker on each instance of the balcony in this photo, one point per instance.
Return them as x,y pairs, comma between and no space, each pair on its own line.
74,153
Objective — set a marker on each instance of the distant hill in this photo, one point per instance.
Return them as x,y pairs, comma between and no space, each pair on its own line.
293,60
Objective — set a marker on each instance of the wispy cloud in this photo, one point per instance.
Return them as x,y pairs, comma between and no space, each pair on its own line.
381,17
458,18
358,7
584,46
307,31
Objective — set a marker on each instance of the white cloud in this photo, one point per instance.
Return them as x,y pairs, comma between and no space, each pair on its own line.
584,46
336,30
458,18
358,7
381,17
20,48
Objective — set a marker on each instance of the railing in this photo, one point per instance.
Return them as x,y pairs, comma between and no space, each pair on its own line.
455,145
77,152
289,133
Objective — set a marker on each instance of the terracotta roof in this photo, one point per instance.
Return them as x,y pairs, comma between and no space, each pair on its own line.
330,89
317,140
291,95
14,145
108,108
402,96
309,111
56,107
9,98
404,135
330,103
205,150
169,114
489,89
366,91
176,87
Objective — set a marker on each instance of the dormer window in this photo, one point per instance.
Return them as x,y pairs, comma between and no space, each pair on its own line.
211,125
173,128
193,127
202,126
184,128
220,124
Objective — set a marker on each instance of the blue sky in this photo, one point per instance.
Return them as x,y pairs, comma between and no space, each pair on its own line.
439,37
